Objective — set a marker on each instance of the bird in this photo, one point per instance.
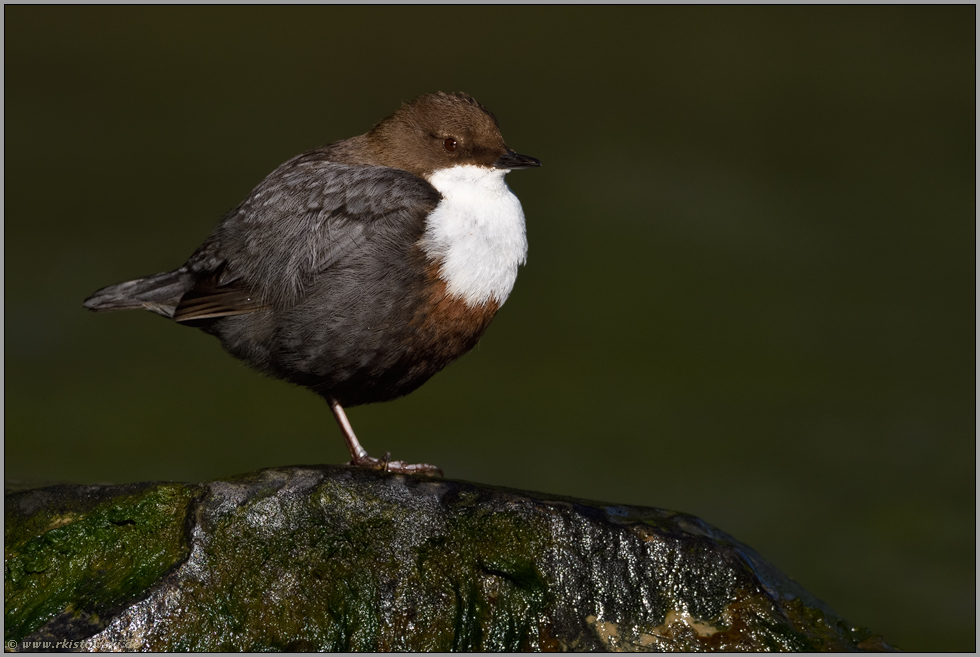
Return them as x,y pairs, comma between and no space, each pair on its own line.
361,268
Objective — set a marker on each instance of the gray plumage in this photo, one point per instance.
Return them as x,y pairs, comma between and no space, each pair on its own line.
314,257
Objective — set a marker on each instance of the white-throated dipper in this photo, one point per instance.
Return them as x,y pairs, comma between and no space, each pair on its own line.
361,268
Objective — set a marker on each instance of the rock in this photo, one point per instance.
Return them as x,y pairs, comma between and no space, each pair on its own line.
341,559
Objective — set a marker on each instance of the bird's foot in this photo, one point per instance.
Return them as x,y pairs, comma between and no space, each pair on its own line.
385,464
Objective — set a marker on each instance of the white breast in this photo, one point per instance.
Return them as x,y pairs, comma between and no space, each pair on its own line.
476,233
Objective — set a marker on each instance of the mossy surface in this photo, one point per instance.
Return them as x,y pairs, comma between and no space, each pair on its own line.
342,568
337,559
84,557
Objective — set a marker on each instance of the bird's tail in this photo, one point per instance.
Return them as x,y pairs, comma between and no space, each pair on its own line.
159,293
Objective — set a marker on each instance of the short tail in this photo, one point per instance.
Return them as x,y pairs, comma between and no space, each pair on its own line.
159,293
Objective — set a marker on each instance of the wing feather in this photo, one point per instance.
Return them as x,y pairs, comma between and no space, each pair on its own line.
304,218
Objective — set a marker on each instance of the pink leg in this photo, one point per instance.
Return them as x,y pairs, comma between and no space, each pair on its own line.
359,456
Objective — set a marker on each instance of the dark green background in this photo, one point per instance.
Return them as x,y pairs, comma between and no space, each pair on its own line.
749,296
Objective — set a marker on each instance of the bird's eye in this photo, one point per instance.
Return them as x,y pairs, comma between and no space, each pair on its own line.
449,144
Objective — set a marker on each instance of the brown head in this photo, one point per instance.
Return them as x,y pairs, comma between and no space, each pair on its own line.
441,130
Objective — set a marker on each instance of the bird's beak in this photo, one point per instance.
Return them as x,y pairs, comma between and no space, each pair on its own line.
512,160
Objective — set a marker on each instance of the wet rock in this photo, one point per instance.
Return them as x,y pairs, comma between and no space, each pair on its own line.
340,559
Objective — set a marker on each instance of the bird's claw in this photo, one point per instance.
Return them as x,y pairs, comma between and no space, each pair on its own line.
385,464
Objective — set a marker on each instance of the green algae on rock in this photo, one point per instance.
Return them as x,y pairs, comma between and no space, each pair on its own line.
330,558
75,556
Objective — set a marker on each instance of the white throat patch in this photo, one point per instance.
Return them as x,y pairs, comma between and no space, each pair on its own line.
476,233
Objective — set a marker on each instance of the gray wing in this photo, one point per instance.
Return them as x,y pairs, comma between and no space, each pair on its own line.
302,219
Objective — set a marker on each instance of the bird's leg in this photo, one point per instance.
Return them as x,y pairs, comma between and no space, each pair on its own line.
359,456
353,444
